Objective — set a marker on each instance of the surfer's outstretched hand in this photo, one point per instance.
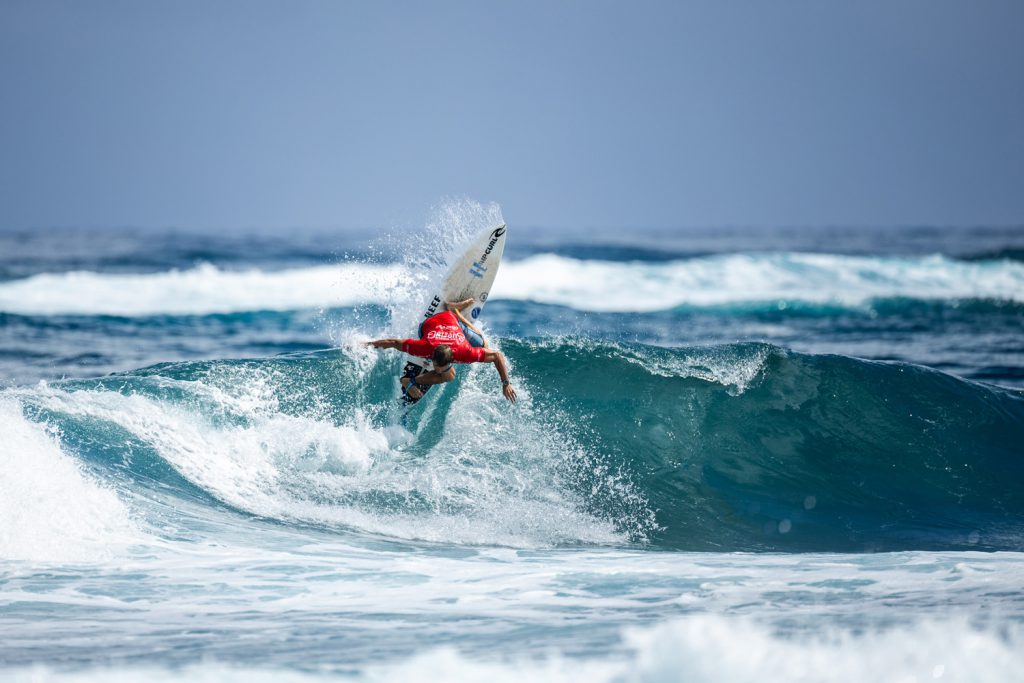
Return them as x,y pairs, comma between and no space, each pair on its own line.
385,343
509,392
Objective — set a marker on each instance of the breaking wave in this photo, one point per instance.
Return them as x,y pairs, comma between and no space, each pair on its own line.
745,281
740,447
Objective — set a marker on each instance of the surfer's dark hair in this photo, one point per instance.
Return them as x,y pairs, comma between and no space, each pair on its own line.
443,355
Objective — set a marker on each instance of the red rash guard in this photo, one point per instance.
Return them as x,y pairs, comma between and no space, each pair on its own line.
441,329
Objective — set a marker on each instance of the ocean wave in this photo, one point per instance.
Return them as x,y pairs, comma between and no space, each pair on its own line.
303,441
1004,253
205,289
696,648
742,447
52,509
715,648
744,281
755,280
752,447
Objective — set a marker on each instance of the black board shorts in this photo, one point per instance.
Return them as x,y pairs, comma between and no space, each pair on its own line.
412,371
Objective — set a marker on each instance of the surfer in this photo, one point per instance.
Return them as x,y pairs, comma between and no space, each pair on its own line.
443,340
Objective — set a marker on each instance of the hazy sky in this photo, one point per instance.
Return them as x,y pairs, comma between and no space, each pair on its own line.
218,114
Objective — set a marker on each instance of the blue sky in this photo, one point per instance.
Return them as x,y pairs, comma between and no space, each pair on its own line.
232,114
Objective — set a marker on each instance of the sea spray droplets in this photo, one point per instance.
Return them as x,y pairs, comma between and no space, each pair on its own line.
454,224
502,468
428,255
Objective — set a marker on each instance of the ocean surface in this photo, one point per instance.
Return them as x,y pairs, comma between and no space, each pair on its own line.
738,455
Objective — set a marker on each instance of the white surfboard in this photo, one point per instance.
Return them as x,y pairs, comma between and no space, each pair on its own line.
471,277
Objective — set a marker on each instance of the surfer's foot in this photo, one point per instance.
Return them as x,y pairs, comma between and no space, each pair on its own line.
460,305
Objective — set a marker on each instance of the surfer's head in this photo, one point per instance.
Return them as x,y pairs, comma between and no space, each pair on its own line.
442,357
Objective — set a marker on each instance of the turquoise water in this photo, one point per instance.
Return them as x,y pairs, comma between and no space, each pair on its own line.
785,455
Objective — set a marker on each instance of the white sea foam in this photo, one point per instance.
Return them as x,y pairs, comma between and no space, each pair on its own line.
50,509
780,279
201,290
234,440
241,464
696,649
716,649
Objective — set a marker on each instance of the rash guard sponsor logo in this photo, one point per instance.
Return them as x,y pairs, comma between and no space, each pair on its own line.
444,334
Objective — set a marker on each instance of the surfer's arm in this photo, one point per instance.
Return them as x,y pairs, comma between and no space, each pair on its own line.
432,377
498,358
387,343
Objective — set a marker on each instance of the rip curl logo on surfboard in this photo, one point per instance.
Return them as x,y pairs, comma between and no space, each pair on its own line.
495,235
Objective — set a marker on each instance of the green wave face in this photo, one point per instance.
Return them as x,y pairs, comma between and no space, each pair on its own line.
749,447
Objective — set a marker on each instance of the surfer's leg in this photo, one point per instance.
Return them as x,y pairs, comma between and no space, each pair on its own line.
459,306
472,336
414,393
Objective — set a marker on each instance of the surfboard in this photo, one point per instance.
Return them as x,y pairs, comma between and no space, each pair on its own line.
471,276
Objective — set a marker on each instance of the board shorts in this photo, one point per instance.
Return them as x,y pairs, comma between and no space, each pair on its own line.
474,338
412,371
